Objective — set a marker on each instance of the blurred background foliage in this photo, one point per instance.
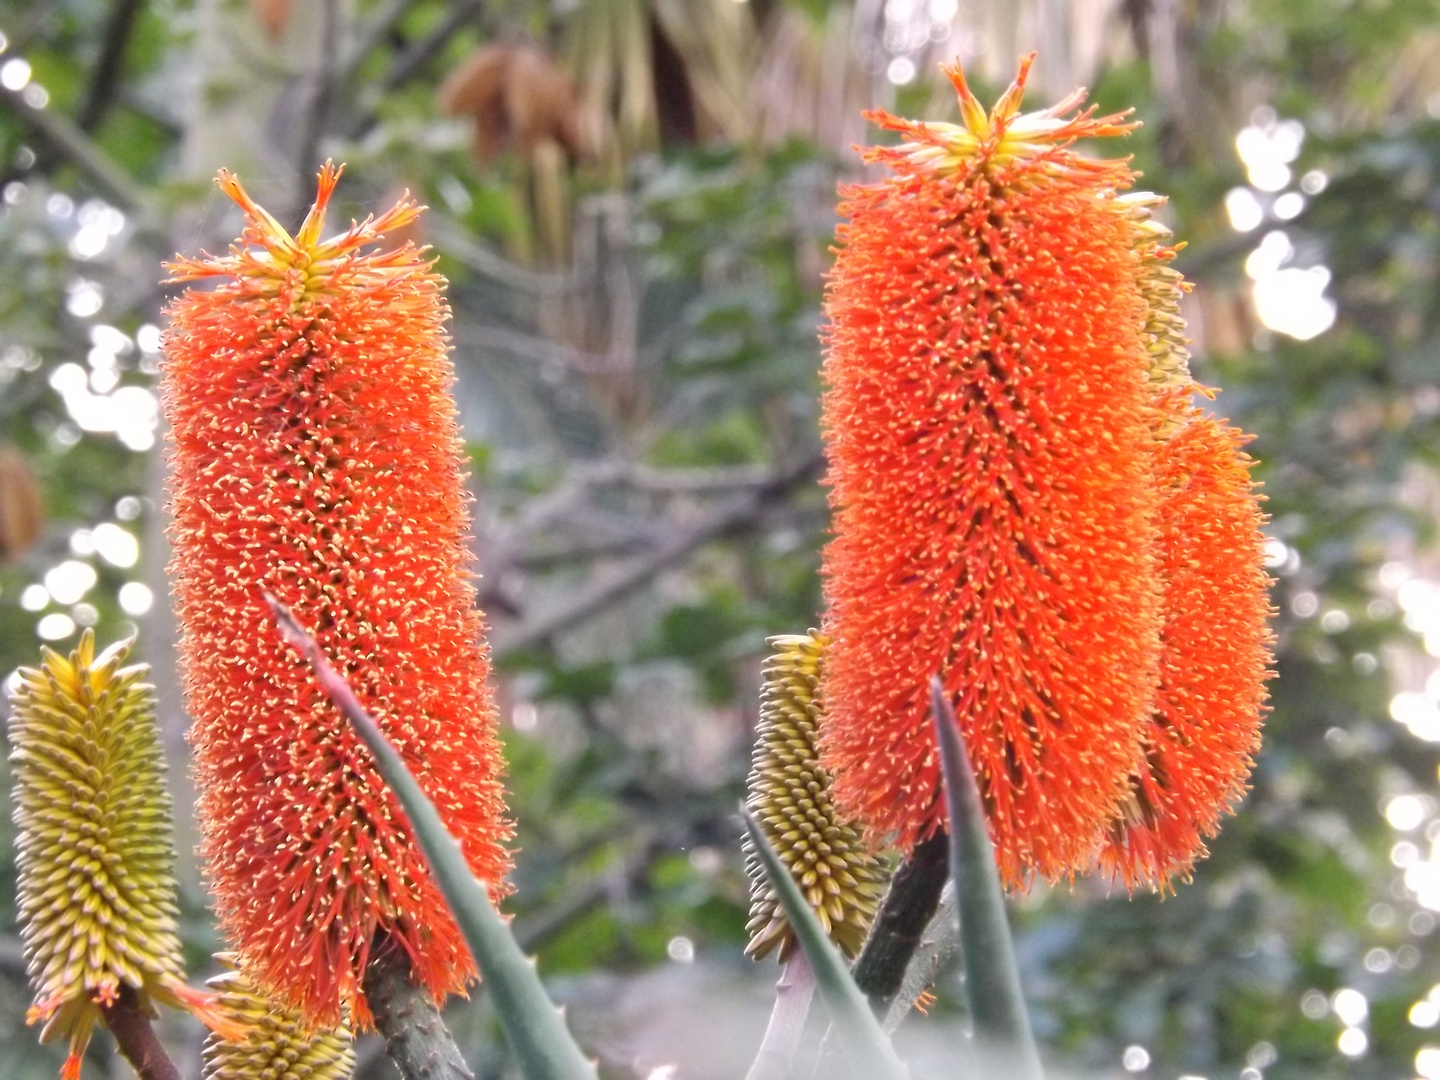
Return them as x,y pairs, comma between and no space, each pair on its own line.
633,201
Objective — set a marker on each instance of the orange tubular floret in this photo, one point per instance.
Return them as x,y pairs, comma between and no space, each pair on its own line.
316,456
987,419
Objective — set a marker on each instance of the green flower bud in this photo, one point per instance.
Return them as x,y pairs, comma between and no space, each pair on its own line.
96,853
276,1044
789,794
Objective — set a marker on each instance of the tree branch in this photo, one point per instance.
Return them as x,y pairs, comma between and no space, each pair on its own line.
369,39
64,136
102,93
317,109
611,588
413,60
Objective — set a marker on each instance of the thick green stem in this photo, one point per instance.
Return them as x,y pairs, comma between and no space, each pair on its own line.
416,1037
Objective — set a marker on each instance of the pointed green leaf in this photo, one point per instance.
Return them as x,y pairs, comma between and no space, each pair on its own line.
1003,1042
866,1045
533,1025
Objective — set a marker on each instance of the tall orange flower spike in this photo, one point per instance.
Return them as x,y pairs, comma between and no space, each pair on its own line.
316,455
1002,332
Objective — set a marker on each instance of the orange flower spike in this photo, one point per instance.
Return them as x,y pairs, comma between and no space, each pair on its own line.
316,455
988,423
1215,658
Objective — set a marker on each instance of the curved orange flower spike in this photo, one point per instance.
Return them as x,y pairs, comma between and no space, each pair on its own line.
1002,326
1215,656
316,456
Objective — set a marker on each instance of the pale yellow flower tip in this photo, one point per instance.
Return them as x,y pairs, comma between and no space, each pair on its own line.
789,794
96,856
276,1044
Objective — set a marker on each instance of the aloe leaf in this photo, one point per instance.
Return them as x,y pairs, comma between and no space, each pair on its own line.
532,1023
866,1046
1004,1044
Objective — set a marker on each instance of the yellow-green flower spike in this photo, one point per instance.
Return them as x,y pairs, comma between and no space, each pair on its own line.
789,794
96,854
1161,287
276,1044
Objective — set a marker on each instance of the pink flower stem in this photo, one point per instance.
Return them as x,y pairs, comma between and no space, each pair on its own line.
787,1020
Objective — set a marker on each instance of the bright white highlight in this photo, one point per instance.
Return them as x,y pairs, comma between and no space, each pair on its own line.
1289,300
1244,209
1418,712
131,412
1353,1042
901,70
1135,1059
1423,879
1274,250
99,224
15,73
136,598
1350,1006
54,627
115,545
1267,152
1292,301
1288,205
70,581
1406,812
84,299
